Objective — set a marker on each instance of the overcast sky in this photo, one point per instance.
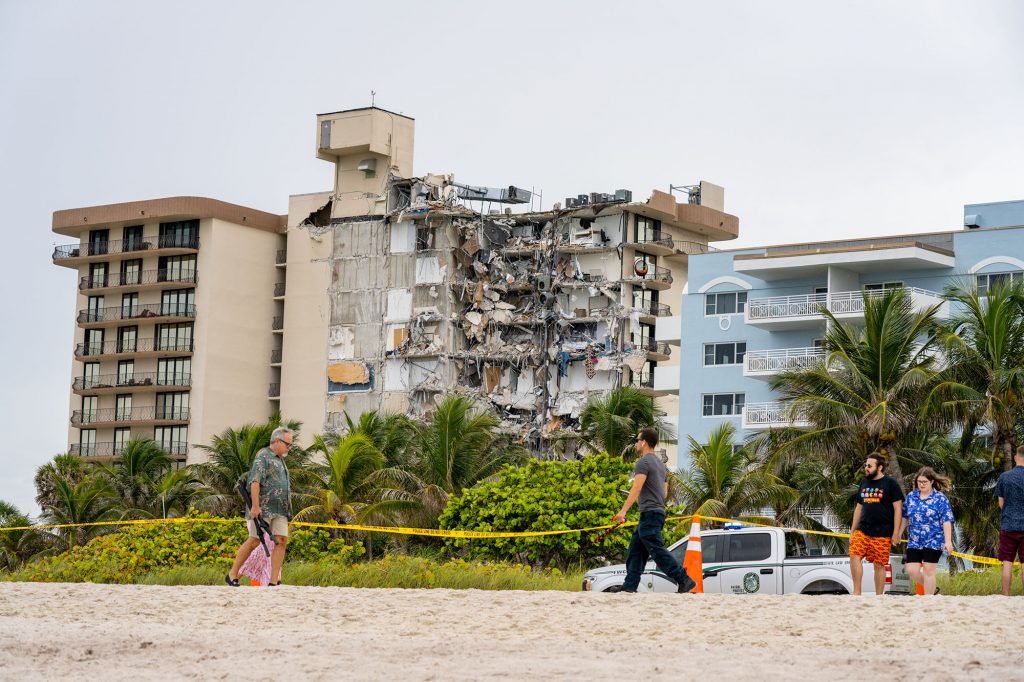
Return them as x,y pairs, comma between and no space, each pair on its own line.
822,120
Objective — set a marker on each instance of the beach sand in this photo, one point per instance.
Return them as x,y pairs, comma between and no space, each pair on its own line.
112,632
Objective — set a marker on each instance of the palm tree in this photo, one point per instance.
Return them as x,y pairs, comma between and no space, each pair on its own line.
231,454
458,447
869,391
609,422
984,345
69,467
390,433
355,485
178,490
88,501
17,546
134,479
728,481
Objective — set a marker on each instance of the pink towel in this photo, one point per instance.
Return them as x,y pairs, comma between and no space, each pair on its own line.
257,565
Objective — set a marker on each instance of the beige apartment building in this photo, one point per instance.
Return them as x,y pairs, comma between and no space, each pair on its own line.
387,292
173,340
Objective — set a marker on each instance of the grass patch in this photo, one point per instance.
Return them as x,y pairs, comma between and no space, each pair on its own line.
391,571
978,582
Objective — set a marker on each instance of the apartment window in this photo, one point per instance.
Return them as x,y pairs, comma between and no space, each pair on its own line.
883,286
172,405
819,343
986,281
177,301
98,240
123,408
122,435
645,339
174,336
94,309
821,290
97,275
645,265
182,234
177,269
127,339
724,353
645,299
726,303
125,372
90,374
646,230
130,306
87,442
173,439
723,404
131,272
132,238
94,341
173,371
89,406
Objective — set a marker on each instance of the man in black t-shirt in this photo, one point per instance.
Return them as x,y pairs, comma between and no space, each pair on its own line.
874,531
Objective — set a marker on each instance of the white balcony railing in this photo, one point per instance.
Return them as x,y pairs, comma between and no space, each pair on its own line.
838,303
765,362
768,415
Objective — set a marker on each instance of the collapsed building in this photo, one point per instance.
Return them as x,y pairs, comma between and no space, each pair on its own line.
399,289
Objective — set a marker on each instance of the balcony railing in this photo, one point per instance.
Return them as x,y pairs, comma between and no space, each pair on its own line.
652,346
134,312
654,273
655,239
764,415
135,379
274,391
275,356
109,449
124,246
643,379
128,414
279,289
780,360
654,309
120,279
694,248
136,346
282,256
277,323
838,303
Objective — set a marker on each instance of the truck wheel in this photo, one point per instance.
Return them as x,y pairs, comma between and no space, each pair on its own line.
825,587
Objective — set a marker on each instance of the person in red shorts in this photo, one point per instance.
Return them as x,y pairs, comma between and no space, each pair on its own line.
1010,492
874,531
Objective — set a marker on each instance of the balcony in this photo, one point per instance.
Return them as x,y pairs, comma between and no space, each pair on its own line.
274,391
656,350
644,381
277,324
279,290
138,381
167,245
666,380
275,356
657,243
668,329
143,416
683,251
139,348
282,257
770,415
767,363
108,449
655,277
162,312
649,312
146,279
805,312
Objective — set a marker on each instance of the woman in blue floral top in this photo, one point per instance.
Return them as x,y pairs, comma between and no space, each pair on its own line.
930,518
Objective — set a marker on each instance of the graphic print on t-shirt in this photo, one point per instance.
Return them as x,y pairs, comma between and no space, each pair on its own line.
871,495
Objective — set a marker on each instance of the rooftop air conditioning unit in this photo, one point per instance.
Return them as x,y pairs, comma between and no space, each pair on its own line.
972,222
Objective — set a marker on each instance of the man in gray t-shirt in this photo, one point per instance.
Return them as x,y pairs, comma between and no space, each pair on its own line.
650,487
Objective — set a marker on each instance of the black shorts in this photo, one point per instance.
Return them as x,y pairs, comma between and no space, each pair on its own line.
923,556
1011,545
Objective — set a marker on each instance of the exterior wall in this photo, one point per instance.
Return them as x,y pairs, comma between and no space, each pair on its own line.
995,214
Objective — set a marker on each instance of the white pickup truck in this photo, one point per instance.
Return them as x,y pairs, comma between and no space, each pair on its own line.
751,560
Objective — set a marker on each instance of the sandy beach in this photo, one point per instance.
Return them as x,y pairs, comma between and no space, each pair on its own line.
113,632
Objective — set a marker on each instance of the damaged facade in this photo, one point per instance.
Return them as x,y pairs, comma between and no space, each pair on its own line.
402,289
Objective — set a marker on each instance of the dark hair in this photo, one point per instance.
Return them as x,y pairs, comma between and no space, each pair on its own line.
939,482
879,458
649,434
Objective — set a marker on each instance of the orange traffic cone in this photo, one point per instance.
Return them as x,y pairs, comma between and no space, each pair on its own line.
254,583
693,562
919,589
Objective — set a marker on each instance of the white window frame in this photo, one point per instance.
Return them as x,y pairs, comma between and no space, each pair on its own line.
735,412
1012,274
736,355
739,308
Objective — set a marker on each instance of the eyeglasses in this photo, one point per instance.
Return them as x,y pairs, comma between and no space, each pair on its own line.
922,481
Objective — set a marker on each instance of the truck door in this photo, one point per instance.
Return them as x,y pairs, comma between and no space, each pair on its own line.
749,566
711,551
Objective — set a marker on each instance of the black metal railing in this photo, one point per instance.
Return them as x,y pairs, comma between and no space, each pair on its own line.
279,289
655,239
643,379
652,273
134,346
129,414
277,323
654,309
694,248
274,391
651,346
131,279
178,241
110,449
282,256
275,356
124,246
134,312
134,379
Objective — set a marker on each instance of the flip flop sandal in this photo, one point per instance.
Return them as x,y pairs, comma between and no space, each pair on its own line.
229,581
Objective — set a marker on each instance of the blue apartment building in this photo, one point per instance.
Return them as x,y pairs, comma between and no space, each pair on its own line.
749,314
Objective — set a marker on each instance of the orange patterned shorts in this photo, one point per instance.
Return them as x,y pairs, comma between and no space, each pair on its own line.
875,550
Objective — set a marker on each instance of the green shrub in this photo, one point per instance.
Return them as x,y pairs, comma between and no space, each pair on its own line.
544,496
